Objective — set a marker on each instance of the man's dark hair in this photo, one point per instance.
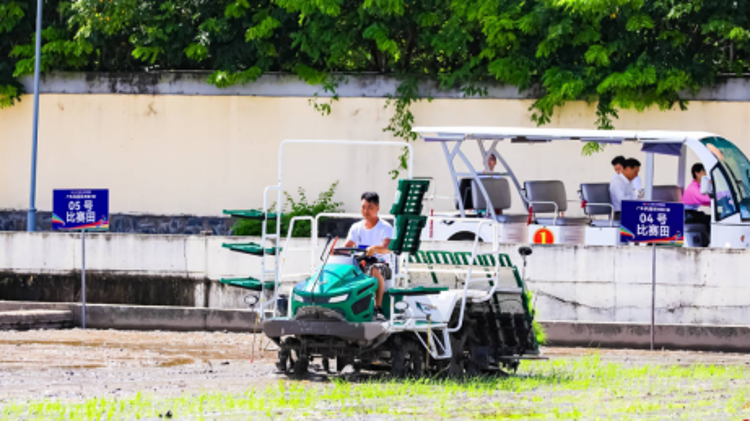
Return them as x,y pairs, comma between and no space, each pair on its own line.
618,160
631,163
697,167
371,197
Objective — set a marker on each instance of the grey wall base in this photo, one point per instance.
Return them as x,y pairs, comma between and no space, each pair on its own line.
637,335
127,317
594,335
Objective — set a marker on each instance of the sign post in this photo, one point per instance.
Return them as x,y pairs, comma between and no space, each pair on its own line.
652,223
81,210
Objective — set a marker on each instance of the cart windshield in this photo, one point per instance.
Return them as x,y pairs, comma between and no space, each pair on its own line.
737,169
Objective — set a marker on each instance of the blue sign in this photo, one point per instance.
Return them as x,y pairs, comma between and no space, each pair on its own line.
652,222
80,210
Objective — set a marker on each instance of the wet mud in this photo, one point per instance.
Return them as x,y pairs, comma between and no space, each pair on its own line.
92,363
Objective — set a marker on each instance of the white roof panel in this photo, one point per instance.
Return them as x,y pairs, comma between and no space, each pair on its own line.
454,133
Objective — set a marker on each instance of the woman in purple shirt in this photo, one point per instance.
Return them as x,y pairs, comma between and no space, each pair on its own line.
693,199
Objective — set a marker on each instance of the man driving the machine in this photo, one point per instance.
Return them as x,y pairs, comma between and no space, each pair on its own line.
373,234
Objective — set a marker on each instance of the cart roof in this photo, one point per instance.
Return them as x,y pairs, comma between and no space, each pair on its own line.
537,135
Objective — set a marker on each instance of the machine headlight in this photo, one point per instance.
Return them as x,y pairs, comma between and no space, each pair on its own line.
401,305
298,298
251,299
338,298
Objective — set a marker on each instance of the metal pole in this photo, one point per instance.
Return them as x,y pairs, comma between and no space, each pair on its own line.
681,167
653,291
83,279
648,183
31,216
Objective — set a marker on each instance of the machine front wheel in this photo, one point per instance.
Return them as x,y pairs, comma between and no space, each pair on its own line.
408,361
284,364
301,367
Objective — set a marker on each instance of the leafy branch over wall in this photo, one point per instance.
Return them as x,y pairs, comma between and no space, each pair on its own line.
617,54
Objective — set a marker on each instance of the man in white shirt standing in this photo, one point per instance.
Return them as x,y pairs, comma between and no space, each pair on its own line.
617,165
621,187
375,235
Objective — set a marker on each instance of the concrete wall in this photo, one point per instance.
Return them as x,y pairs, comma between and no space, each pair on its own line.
578,283
169,145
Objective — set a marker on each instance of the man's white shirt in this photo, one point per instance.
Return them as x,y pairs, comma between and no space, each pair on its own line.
363,237
636,183
620,188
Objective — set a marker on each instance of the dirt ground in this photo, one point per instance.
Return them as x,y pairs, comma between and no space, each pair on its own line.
97,363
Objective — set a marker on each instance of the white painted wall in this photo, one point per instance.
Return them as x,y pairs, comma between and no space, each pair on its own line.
197,155
582,283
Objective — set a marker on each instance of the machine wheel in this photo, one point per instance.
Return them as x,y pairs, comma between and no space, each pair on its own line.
300,369
458,359
408,361
341,363
471,367
284,364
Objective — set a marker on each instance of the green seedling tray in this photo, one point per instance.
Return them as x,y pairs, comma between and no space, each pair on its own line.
250,214
250,248
249,283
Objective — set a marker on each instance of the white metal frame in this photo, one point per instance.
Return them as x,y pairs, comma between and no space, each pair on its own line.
279,187
438,330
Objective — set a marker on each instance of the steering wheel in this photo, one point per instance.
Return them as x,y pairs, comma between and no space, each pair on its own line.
349,251
359,255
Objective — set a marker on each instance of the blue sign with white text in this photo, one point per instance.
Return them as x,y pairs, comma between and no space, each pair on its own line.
652,222
80,210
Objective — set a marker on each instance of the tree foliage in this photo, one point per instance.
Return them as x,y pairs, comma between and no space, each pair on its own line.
618,54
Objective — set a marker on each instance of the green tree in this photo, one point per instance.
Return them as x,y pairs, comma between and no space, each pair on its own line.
617,54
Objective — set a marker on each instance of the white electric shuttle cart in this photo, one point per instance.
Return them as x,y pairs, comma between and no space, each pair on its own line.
479,193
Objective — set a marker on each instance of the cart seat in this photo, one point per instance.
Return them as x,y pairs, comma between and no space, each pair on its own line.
512,219
604,223
543,196
498,190
667,194
598,193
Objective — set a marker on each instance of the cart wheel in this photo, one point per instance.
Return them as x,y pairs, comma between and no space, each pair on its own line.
408,362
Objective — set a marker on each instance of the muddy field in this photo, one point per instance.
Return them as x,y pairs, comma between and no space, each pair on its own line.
75,365
78,363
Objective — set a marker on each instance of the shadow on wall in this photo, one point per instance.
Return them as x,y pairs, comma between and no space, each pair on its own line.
104,288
